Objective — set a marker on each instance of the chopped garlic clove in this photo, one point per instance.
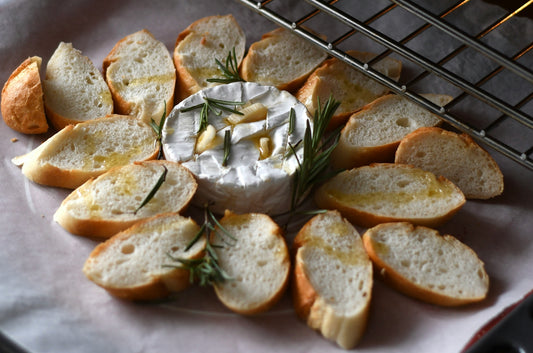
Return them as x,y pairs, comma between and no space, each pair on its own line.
251,113
206,138
264,147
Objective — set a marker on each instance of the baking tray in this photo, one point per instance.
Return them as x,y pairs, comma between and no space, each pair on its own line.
47,305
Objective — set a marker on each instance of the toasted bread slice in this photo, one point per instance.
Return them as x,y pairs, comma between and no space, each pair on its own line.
197,47
106,205
455,156
85,150
137,263
387,192
332,282
281,59
22,99
257,261
350,87
74,89
141,76
373,133
421,263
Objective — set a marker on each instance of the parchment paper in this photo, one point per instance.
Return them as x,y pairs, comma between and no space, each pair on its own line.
47,304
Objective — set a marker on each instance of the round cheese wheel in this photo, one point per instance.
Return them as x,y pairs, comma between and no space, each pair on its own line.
258,173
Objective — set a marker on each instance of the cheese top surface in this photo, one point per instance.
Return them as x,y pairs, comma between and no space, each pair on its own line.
258,174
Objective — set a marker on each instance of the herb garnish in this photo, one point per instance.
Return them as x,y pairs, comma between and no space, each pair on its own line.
292,117
316,153
158,129
217,106
230,70
227,147
152,192
207,270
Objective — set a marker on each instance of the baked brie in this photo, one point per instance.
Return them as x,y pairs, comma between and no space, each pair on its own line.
253,170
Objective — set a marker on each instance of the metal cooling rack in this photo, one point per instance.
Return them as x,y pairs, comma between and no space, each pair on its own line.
493,105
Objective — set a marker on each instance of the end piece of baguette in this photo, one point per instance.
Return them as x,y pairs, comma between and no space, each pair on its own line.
141,76
22,102
137,264
455,156
281,59
421,263
257,261
86,150
373,133
197,47
387,192
74,89
332,282
347,85
106,205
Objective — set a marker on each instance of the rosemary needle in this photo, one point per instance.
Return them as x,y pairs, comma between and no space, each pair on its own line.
217,106
227,147
230,70
152,192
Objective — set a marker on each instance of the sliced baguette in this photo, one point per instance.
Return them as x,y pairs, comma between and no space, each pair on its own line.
373,133
106,205
387,192
83,151
197,47
347,85
257,261
421,263
332,282
455,156
141,76
22,102
281,59
74,89
137,263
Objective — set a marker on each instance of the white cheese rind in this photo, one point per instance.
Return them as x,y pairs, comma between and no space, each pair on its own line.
247,183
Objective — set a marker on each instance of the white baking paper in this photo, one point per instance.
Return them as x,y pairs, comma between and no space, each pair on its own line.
47,305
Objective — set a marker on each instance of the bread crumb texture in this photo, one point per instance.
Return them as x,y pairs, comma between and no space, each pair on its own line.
257,261
455,156
424,264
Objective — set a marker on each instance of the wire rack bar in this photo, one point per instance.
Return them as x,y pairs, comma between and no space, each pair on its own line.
331,47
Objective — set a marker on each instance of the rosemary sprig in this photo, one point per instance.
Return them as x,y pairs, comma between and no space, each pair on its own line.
292,117
152,192
316,152
207,270
227,147
217,106
230,70
158,129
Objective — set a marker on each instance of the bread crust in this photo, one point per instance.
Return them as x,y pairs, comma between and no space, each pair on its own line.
285,266
99,228
47,174
22,103
482,159
319,314
403,284
367,219
121,104
309,92
247,66
347,156
158,287
186,82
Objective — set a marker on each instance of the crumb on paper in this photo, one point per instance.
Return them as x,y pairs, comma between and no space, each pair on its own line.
14,139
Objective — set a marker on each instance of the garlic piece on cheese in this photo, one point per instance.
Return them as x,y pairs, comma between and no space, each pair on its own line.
259,174
206,139
249,114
